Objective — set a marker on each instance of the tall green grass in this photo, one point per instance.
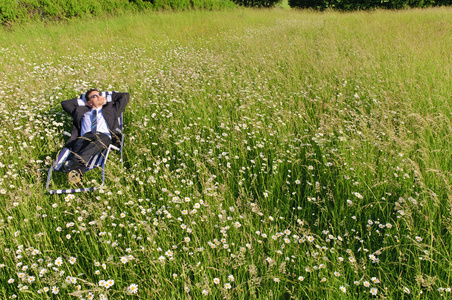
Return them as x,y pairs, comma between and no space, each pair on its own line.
269,154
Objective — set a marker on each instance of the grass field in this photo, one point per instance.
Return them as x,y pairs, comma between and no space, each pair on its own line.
270,154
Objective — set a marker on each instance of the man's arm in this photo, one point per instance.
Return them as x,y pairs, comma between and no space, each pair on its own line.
71,105
120,101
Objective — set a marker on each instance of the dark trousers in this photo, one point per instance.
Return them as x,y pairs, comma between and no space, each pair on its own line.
87,146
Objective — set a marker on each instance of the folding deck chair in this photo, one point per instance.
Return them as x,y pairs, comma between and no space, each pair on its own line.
97,161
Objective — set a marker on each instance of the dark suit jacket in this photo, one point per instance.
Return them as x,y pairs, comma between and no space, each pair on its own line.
111,111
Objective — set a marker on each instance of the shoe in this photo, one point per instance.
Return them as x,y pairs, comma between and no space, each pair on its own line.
67,166
75,177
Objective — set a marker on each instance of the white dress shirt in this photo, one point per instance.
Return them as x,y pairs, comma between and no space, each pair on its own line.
102,125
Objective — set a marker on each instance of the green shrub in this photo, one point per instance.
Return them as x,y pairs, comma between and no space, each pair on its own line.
256,3
23,10
362,4
10,11
51,8
56,9
171,4
80,8
212,4
317,4
443,2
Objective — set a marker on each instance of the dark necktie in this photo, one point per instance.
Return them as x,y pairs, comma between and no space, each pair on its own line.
94,122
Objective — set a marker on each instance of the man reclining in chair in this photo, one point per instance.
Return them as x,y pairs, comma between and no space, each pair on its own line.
94,128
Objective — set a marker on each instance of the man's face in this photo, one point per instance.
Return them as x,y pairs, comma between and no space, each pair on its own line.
96,100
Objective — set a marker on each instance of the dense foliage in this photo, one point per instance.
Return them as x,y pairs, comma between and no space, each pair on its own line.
23,10
184,4
367,4
257,3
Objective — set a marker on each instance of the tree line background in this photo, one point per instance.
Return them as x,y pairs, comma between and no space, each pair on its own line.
17,11
347,5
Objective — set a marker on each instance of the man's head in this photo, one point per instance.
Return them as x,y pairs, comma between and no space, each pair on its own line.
94,98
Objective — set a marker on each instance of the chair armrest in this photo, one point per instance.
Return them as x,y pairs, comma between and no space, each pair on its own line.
114,147
66,133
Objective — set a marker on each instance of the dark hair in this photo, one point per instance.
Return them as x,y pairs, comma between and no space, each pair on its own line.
89,92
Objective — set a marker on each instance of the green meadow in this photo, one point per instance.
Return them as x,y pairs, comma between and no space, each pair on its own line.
269,154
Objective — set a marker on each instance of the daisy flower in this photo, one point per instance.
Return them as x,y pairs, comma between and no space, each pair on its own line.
373,291
132,289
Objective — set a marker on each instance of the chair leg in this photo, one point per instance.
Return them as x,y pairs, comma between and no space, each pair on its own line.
49,176
103,174
122,146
